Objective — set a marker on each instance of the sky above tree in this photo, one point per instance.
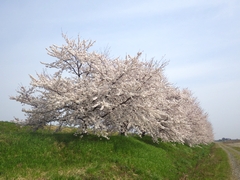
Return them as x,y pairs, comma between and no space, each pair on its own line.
200,39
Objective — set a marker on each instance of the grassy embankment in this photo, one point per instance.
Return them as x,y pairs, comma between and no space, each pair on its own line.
44,155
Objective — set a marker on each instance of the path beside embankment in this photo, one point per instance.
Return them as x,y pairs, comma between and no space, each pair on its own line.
233,151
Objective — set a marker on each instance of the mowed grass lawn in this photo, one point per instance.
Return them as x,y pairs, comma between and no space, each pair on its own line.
46,155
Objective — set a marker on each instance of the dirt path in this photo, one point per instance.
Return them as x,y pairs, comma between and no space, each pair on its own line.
234,157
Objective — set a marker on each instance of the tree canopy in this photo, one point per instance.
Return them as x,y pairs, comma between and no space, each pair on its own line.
90,90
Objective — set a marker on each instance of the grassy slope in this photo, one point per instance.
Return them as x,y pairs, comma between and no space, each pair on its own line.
42,154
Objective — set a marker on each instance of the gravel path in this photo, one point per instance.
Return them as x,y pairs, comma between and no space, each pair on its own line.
234,159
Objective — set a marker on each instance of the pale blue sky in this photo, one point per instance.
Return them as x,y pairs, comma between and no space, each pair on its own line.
200,38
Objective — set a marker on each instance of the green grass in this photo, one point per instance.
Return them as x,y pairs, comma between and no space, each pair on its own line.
236,148
45,155
214,166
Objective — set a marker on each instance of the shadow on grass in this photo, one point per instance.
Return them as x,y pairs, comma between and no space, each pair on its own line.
162,145
118,141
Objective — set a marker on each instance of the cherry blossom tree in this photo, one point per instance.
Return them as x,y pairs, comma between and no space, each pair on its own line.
195,127
89,90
